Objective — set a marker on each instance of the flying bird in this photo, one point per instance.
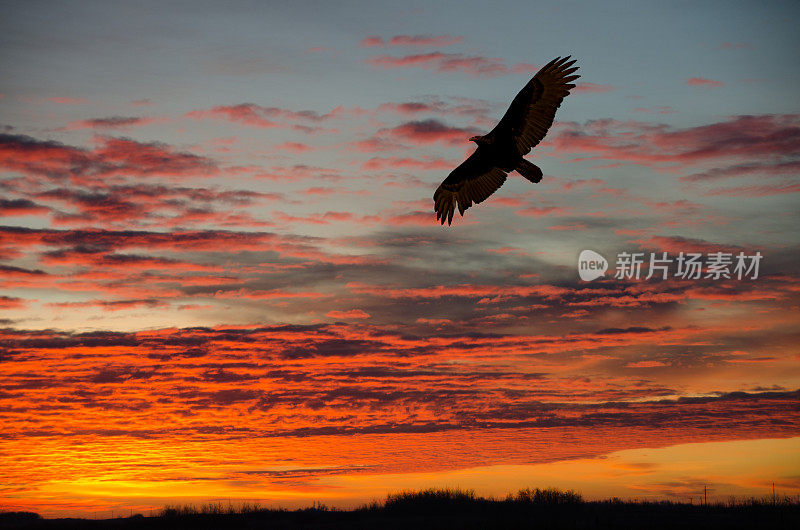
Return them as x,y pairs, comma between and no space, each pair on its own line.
523,126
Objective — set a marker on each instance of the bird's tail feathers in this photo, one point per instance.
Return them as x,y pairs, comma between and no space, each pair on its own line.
529,170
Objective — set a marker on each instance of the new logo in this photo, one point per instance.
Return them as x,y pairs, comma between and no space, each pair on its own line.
591,265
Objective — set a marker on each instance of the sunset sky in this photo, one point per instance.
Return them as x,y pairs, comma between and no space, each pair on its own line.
221,275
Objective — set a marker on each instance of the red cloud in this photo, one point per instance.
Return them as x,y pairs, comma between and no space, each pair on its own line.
258,116
411,40
325,191
31,156
95,207
389,380
128,262
294,147
193,307
371,41
755,169
474,109
179,240
513,202
755,190
426,163
353,313
424,40
316,219
246,113
111,305
543,211
646,364
67,100
508,250
465,290
114,157
161,205
260,294
700,81
299,172
411,107
476,66
592,87
375,145
674,245
412,218
328,217
638,142
119,239
10,302
151,159
434,321
568,228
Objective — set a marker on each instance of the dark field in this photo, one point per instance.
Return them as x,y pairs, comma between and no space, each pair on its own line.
443,509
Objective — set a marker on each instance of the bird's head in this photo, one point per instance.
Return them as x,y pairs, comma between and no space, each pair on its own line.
477,139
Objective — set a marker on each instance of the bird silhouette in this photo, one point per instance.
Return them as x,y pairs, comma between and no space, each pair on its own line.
521,128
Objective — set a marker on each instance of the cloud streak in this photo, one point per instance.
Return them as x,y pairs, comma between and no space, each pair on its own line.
439,62
410,40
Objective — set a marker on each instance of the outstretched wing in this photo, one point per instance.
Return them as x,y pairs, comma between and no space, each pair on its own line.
531,114
471,182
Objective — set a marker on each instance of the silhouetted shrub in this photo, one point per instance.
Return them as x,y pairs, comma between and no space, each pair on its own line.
19,517
547,496
431,498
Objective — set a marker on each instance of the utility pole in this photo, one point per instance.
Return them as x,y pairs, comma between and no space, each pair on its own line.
705,495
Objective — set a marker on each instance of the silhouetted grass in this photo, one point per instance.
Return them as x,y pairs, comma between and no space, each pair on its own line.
458,508
548,496
211,508
438,498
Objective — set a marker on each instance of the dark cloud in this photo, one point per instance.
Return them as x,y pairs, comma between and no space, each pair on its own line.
111,122
14,207
424,132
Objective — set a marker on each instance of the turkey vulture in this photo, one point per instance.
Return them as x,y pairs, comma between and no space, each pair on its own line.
522,127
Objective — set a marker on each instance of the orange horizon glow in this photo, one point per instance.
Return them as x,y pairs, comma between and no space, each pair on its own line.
93,485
